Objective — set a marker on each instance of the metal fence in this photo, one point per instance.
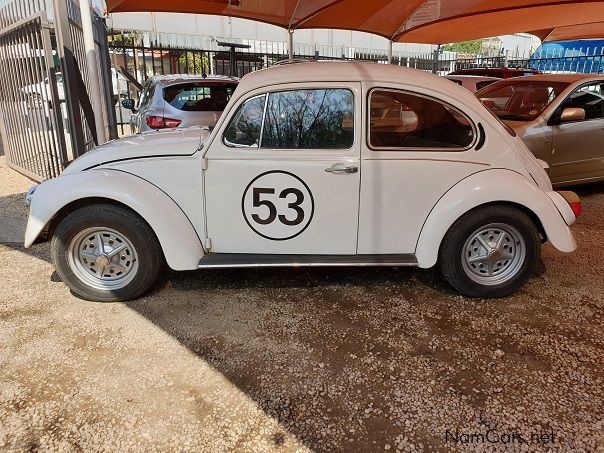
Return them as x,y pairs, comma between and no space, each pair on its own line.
46,118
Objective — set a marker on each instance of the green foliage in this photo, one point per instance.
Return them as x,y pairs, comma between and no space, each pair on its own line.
464,47
194,63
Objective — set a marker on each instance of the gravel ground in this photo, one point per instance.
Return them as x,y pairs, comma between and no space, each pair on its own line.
289,360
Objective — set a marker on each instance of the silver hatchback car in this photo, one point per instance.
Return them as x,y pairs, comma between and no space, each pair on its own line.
560,118
180,100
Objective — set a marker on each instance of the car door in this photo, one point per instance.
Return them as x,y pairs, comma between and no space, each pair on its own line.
283,172
578,150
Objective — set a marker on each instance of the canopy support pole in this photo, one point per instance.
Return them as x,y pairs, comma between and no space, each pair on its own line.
390,52
290,44
93,70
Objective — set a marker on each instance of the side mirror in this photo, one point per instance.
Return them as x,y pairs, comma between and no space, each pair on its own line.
572,114
129,104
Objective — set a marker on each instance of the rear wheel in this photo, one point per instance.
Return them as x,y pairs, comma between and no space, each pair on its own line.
490,252
106,253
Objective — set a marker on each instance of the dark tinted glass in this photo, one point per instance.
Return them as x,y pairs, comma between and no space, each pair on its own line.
484,83
309,119
522,100
199,97
590,98
403,120
246,125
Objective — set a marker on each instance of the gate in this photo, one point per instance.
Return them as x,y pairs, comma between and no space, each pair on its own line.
46,116
31,122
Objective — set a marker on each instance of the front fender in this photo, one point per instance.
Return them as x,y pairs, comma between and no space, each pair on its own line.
491,186
179,241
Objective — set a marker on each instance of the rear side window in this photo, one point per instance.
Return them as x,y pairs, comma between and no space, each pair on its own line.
296,119
401,120
199,97
484,83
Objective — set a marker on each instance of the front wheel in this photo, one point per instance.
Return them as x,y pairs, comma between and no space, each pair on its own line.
106,253
490,252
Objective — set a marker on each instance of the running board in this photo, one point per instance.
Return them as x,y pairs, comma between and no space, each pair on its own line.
231,260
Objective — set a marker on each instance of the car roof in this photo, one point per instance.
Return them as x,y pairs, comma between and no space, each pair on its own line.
566,78
471,77
345,71
170,79
486,69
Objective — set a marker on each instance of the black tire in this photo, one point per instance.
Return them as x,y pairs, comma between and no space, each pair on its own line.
127,223
451,256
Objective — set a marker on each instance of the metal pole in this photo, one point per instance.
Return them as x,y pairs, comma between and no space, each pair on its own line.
290,44
93,70
390,52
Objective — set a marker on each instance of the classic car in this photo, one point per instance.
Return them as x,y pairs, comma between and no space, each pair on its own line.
311,164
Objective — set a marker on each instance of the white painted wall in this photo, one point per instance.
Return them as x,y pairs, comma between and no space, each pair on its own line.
234,29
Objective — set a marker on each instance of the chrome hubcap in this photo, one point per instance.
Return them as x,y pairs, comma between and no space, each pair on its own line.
102,258
493,254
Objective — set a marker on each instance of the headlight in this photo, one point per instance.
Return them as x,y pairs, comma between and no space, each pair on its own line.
30,194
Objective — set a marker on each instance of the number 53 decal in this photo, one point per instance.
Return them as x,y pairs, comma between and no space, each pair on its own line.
277,205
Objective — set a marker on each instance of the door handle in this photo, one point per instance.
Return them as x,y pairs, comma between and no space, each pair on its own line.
338,170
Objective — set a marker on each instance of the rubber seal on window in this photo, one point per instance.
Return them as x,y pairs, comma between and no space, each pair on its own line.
481,137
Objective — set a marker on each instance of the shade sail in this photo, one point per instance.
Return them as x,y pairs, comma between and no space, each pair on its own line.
422,21
571,33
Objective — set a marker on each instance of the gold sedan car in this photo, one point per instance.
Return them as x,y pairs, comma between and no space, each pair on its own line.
560,117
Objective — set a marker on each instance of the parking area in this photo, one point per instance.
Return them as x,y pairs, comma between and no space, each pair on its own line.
348,359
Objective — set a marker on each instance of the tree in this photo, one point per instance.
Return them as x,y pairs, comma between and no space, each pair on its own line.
465,46
194,63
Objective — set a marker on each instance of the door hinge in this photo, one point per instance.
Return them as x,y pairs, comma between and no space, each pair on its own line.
204,163
208,244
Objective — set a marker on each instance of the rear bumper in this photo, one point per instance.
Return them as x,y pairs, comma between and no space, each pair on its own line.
562,202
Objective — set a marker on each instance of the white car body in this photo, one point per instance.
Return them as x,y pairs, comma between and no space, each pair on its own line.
471,82
191,187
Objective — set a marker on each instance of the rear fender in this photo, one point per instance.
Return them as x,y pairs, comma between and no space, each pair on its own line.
485,187
180,242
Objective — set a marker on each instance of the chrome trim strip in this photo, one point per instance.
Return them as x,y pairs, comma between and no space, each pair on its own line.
272,265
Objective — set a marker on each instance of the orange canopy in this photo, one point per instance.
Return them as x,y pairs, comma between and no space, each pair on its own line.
425,21
572,32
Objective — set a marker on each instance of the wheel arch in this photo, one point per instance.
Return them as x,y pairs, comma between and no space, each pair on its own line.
55,199
483,189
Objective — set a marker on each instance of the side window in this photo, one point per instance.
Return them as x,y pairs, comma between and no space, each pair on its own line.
400,120
245,127
590,98
309,119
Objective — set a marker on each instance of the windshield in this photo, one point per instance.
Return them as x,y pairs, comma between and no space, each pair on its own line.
520,101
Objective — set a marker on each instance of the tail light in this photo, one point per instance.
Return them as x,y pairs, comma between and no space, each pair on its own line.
573,200
576,207
159,122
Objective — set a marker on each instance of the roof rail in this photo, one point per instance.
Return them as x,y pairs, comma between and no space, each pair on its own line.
294,61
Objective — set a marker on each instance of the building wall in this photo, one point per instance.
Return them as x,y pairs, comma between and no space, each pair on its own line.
185,27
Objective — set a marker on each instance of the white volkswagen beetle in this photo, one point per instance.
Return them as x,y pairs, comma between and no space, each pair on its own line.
311,164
